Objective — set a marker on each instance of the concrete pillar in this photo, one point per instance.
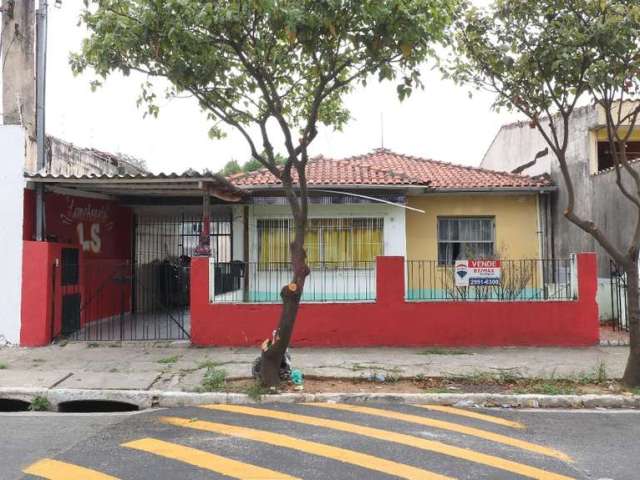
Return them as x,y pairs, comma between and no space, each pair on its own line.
390,278
18,74
204,245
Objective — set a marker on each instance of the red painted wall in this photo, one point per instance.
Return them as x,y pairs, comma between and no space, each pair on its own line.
106,226
391,321
41,293
35,326
102,231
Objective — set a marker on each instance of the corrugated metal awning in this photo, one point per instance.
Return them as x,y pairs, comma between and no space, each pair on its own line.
187,184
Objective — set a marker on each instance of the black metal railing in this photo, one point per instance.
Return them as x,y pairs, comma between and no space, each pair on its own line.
117,301
520,280
619,291
261,282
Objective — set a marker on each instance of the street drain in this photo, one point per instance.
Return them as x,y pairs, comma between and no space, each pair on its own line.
13,405
95,406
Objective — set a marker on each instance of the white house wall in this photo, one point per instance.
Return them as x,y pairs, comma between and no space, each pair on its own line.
12,157
393,230
343,284
237,212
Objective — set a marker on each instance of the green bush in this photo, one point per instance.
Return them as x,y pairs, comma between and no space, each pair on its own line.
214,380
39,404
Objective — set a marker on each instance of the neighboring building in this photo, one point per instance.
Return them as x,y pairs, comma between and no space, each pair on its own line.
597,196
65,158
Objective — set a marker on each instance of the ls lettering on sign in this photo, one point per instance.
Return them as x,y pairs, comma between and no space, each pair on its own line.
93,243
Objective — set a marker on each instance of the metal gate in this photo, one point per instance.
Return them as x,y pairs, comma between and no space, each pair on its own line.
143,299
105,307
619,288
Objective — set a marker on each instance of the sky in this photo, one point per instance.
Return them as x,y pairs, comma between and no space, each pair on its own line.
440,122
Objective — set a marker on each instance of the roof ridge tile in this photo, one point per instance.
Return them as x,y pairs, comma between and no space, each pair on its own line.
383,166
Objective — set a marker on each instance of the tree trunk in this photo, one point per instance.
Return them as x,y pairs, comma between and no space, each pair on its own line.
291,294
632,371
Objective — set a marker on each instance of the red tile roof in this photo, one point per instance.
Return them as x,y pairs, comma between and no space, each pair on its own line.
384,167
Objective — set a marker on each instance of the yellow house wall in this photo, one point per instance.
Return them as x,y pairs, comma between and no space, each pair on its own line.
516,222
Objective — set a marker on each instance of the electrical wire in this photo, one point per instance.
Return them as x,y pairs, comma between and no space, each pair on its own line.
6,52
1,38
1,57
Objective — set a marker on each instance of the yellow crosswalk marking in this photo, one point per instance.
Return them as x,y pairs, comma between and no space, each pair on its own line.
450,426
56,470
386,435
314,448
475,415
208,461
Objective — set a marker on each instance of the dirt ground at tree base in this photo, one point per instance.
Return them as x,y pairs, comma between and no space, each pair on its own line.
471,384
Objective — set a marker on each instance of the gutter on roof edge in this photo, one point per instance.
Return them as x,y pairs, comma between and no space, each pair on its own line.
546,189
37,178
334,186
424,188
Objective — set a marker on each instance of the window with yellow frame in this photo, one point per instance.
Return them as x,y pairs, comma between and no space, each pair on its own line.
329,242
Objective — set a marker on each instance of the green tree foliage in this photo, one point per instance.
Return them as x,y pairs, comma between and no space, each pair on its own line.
545,58
251,165
271,69
231,167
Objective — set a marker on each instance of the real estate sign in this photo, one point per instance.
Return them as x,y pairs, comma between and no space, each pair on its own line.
471,273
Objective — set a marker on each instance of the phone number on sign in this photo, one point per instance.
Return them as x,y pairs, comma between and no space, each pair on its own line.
477,282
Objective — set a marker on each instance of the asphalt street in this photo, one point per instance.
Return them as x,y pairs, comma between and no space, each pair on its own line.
322,441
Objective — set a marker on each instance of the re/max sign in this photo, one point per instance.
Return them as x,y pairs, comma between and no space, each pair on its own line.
477,273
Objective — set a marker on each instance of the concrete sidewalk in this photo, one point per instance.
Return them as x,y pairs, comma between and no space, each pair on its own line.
180,367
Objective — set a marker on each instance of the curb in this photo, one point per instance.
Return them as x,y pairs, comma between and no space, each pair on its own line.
145,399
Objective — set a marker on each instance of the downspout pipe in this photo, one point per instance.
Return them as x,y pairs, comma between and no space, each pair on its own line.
41,77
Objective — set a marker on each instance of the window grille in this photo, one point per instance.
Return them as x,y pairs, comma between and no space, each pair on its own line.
343,242
465,237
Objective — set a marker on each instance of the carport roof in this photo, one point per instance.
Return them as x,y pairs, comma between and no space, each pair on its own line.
190,183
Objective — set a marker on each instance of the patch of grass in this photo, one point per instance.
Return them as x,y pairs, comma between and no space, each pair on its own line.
357,367
501,377
636,391
546,388
39,404
208,364
598,375
214,380
443,351
504,377
255,391
475,378
391,378
437,390
169,360
601,372
3,366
